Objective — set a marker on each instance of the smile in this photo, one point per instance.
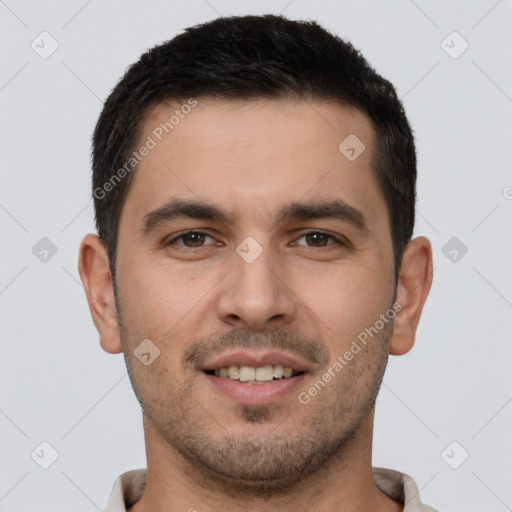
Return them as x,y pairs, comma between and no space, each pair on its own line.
252,391
254,375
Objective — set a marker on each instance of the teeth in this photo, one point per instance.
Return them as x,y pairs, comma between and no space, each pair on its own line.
249,373
278,371
233,372
264,373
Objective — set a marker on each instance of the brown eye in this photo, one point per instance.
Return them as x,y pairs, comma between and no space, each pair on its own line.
195,239
318,239
191,239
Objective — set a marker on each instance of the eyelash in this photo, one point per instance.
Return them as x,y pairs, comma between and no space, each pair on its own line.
316,232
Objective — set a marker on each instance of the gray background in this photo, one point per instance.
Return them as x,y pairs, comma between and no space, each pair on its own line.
56,383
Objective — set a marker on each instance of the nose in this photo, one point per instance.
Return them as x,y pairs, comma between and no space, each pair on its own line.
256,294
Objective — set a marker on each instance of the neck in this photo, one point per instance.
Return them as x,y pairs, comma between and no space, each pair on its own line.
347,484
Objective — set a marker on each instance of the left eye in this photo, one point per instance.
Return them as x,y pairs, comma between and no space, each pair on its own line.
318,238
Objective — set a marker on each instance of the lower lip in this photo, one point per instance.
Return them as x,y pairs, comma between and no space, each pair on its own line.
255,394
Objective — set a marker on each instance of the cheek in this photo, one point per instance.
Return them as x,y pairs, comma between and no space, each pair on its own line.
347,301
165,305
157,297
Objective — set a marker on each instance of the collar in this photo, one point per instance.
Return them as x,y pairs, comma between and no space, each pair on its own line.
129,488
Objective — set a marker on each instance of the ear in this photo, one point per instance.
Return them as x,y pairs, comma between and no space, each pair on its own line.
415,280
94,270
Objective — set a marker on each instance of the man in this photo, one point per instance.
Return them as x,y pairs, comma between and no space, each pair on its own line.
254,187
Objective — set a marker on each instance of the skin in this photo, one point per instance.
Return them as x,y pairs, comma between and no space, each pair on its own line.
205,450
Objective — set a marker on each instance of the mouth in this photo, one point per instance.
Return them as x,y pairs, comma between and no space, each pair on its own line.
255,375
255,378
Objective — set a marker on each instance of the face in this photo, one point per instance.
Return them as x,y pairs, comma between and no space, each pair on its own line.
248,239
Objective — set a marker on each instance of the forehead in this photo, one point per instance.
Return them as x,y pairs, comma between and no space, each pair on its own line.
254,156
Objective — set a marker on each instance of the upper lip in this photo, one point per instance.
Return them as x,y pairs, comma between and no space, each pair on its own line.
255,359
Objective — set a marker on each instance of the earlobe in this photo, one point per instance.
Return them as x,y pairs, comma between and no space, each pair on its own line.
415,280
94,270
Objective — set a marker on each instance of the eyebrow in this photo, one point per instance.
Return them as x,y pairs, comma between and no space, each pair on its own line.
182,208
177,208
336,209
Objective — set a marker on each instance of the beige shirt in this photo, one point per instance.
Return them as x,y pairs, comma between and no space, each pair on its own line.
129,487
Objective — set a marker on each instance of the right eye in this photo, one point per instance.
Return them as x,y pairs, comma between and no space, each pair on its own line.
190,239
